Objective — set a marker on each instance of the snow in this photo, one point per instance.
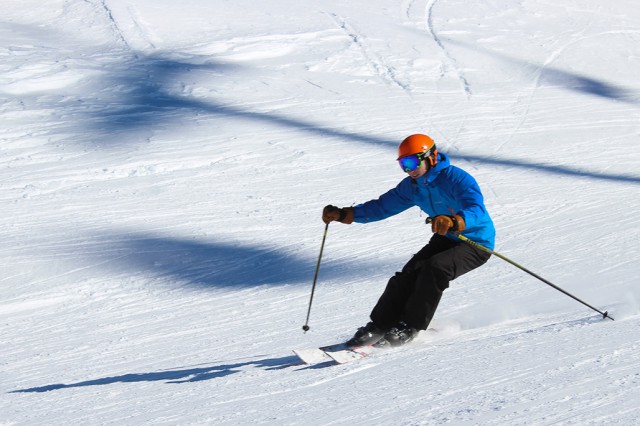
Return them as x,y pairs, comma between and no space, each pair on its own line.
163,166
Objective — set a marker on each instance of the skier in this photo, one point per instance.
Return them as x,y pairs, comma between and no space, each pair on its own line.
453,199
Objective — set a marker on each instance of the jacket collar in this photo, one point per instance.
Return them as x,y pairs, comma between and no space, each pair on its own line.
443,163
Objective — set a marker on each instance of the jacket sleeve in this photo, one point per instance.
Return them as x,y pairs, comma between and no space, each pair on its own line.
467,192
388,204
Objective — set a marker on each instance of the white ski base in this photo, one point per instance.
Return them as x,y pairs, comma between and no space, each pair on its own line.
345,356
312,356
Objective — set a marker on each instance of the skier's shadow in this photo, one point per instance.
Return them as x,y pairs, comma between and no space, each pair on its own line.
184,375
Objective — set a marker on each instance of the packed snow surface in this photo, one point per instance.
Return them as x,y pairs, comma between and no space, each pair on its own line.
164,164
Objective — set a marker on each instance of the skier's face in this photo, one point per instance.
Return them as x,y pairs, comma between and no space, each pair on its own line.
415,165
419,172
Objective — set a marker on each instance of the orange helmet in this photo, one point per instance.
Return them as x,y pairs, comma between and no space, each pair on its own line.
417,144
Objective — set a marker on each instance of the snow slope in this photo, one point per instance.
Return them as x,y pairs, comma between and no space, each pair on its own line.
163,166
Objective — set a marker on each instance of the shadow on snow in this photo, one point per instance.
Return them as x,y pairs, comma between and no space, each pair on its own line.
196,373
565,79
185,375
546,168
138,91
142,91
145,101
211,263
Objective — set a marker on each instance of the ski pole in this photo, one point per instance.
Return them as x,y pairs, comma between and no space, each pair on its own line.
306,327
604,314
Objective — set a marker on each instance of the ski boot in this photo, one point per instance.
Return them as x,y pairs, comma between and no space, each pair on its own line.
399,335
367,335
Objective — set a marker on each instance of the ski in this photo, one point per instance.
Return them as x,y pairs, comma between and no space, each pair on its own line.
338,353
312,356
346,355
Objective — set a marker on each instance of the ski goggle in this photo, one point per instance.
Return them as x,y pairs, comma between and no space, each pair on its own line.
411,162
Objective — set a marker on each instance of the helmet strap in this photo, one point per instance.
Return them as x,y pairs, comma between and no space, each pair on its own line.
431,159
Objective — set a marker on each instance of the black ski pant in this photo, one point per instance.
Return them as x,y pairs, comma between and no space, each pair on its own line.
412,295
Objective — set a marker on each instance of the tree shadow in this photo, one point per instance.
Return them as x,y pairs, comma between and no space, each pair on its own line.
139,91
547,168
147,101
144,90
555,76
183,375
211,264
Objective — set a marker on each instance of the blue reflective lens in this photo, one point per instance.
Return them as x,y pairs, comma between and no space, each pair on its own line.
410,162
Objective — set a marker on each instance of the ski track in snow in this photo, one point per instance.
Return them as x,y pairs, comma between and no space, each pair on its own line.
162,170
543,69
116,29
376,63
432,31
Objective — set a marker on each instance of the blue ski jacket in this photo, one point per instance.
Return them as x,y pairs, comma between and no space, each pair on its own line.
444,189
